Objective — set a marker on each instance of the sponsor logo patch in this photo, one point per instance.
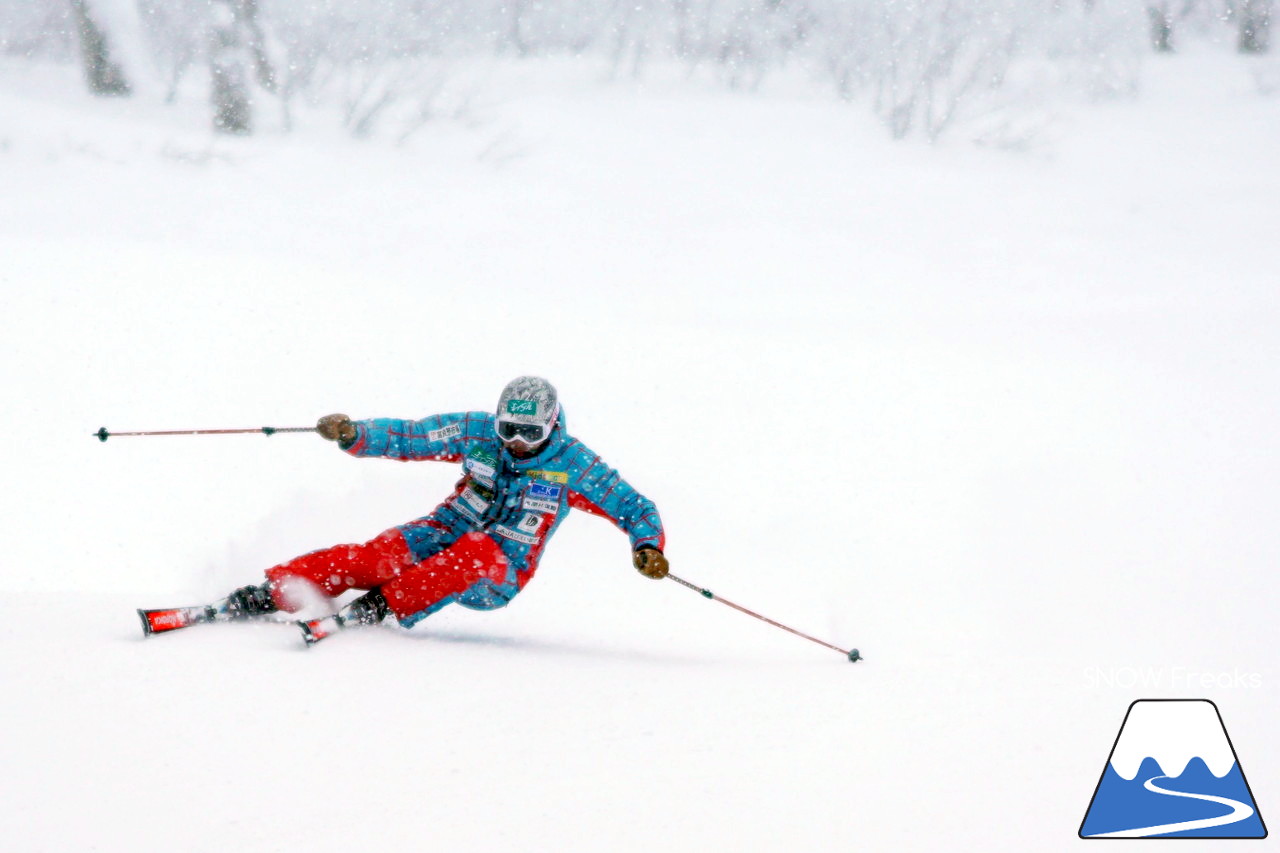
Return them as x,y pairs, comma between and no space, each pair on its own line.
481,489
550,476
515,536
482,464
522,407
446,432
544,491
542,497
465,512
530,522
474,500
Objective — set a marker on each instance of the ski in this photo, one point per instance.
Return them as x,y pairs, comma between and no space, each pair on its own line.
248,602
173,618
315,630
253,603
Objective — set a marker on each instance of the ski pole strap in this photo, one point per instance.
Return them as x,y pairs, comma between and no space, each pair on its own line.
851,654
103,435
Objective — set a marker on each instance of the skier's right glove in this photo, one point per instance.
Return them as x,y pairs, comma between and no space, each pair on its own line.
337,428
651,563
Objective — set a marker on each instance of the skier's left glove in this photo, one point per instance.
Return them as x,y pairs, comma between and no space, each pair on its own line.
651,563
337,428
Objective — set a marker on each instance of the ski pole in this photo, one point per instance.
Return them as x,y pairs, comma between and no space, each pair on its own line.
103,435
851,654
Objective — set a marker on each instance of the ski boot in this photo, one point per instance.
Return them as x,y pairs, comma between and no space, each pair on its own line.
369,609
248,602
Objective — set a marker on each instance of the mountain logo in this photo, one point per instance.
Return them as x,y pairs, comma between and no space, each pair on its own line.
1172,773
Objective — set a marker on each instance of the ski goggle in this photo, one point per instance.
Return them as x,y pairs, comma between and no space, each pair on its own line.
526,433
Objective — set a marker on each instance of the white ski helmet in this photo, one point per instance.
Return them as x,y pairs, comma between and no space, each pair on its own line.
527,410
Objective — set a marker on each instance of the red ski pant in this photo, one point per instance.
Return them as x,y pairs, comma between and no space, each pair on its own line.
408,585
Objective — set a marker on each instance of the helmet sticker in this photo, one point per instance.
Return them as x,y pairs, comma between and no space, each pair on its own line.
529,400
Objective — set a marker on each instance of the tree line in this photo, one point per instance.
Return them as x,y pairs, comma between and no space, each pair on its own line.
919,64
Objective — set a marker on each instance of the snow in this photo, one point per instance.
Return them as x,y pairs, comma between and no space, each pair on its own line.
1004,421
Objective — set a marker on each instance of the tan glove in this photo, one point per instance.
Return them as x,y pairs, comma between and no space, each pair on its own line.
336,428
651,563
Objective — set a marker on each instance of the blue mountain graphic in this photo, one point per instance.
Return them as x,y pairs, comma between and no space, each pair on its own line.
1121,804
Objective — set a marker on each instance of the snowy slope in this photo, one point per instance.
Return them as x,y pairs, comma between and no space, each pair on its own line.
1005,422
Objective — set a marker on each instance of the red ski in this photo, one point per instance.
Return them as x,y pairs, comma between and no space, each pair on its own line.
160,621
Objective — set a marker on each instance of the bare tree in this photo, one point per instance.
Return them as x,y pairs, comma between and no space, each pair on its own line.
923,67
232,112
1255,25
104,76
237,44
1161,27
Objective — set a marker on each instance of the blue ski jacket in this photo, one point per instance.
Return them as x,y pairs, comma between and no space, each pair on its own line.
519,503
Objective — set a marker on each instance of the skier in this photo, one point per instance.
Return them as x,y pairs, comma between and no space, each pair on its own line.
521,473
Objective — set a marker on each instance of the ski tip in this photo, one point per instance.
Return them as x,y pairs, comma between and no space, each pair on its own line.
854,656
162,621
